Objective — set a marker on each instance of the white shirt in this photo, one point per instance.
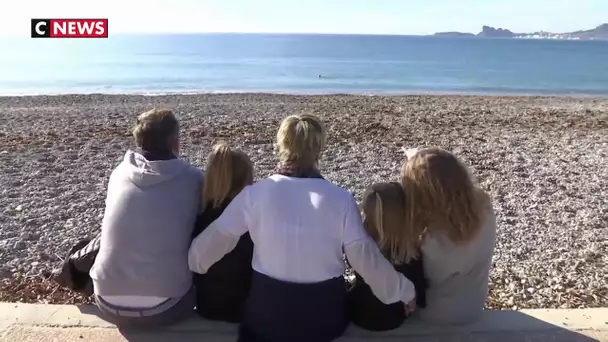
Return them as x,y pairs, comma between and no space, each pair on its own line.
300,228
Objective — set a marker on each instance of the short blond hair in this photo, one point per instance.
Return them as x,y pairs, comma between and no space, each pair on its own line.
301,140
440,189
156,130
228,172
384,218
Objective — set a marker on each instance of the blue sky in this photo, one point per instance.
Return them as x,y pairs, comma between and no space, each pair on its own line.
314,16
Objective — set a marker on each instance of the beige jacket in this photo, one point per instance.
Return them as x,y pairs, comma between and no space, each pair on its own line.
458,275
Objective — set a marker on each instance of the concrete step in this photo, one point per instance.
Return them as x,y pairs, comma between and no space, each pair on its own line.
39,322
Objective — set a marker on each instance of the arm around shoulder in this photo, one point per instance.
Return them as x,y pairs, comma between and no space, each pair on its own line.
221,236
209,247
388,285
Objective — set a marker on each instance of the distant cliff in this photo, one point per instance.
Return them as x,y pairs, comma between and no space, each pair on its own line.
488,31
600,32
454,34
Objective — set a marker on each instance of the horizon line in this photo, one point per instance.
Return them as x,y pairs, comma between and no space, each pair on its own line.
126,33
136,33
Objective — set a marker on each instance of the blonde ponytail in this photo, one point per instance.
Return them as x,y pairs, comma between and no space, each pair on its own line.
218,181
379,220
228,172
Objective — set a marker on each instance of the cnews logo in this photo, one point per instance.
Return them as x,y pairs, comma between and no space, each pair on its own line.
69,28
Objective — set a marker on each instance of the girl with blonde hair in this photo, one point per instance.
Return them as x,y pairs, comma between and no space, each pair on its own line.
458,226
300,224
221,292
384,220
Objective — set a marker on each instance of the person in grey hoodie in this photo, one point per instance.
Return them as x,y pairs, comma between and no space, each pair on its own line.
141,275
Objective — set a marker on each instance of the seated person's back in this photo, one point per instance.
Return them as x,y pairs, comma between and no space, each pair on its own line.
307,210
300,225
222,291
151,206
459,232
384,220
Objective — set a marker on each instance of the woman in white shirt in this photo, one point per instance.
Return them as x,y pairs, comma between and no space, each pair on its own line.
300,224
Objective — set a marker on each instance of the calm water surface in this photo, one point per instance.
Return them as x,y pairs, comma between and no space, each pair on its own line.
302,64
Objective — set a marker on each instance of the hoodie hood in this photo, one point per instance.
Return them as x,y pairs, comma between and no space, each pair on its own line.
144,173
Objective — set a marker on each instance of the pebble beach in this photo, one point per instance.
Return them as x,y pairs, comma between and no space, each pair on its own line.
543,160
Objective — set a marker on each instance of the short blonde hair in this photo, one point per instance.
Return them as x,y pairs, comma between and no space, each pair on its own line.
440,189
156,130
384,218
228,172
301,140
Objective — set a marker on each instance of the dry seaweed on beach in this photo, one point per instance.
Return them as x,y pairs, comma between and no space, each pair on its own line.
543,160
39,289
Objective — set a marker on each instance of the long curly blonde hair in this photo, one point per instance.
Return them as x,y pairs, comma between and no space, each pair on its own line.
442,195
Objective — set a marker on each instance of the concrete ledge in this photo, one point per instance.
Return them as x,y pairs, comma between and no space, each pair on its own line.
38,322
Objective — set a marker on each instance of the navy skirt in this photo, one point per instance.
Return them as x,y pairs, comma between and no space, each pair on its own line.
278,311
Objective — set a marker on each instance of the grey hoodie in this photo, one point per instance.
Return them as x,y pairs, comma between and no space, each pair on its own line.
151,208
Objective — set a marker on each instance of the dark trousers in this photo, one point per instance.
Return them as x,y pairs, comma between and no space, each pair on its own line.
278,311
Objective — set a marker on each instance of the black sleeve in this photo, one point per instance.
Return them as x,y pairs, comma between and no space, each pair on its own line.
414,271
419,281
204,219
199,225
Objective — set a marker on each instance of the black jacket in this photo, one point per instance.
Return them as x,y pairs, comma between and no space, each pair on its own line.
370,313
74,272
222,291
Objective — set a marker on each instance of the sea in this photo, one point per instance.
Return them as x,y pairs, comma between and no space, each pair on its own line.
302,64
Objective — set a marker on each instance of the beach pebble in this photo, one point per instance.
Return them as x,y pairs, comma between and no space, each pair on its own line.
19,245
543,161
